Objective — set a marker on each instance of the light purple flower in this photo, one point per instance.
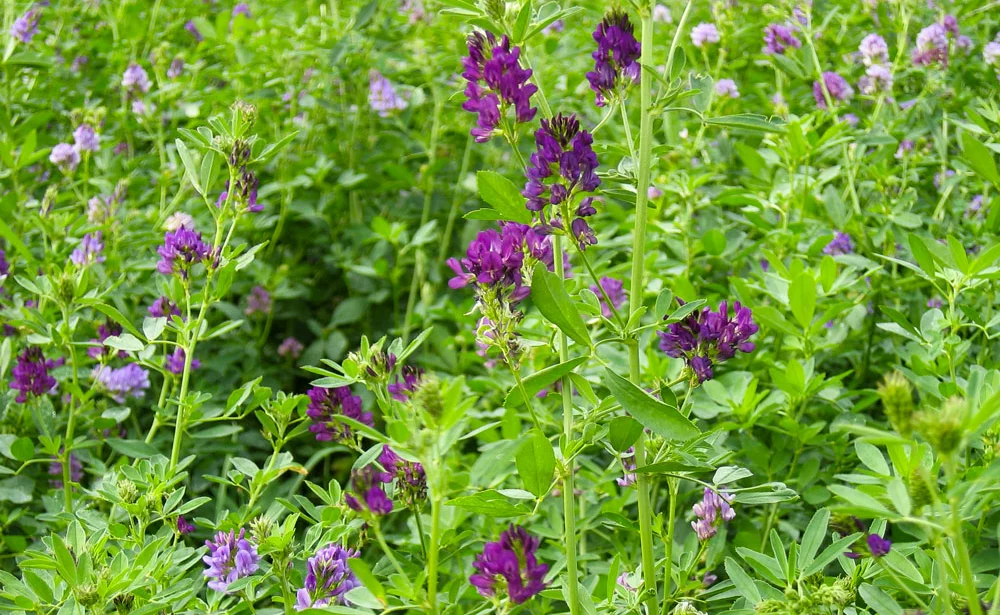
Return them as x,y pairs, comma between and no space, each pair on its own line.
328,578
25,27
712,511
628,477
904,148
778,38
661,14
382,97
135,80
704,34
175,362
841,244
874,50
193,31
242,9
415,10
615,291
290,347
258,301
86,138
89,251
836,86
123,382
726,87
65,156
877,79
176,68
230,557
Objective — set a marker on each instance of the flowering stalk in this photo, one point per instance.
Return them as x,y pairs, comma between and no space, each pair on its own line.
638,274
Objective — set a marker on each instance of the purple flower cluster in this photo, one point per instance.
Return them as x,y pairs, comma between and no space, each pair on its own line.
181,250
494,259
135,80
509,567
89,251
841,244
31,374
496,82
877,79
564,164
86,138
933,42
123,382
705,338
382,97
328,578
726,88
405,386
778,38
25,27
704,34
176,68
230,557
326,405
65,156
874,50
258,301
712,511
175,362
290,347
835,85
616,60
615,291
367,483
163,308
411,480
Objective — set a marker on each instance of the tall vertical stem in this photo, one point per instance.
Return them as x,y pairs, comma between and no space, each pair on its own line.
569,483
638,284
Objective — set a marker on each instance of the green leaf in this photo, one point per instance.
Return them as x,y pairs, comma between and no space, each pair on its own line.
125,341
153,327
136,449
730,474
877,599
813,537
747,122
980,158
662,419
860,501
871,457
541,379
193,174
16,490
550,297
536,463
22,449
503,195
744,584
623,432
367,578
113,313
839,547
490,503
802,299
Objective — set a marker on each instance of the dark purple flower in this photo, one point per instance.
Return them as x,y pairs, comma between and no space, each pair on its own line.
89,251
56,469
493,259
778,38
403,388
841,244
496,82
367,483
31,375
193,31
258,301
328,578
326,405
836,86
616,60
409,476
290,347
180,251
86,138
230,557
175,362
712,511
104,331
509,567
706,337
163,308
4,265
614,288
382,97
183,527
878,546
25,27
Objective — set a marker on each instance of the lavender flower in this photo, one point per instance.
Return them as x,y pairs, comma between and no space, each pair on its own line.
178,219
726,87
89,251
325,405
836,86
415,10
563,165
176,68
290,347
712,511
706,337
932,46
778,38
135,80
193,31
496,82
509,567
905,147
616,60
628,477
328,578
402,389
180,251
258,301
86,138
382,97
366,483
183,527
935,303
31,375
616,293
163,308
991,54
941,177
877,79
123,382
175,362
624,580
104,331
874,50
65,156
25,27
56,469
230,557
242,9
661,14
841,244
704,34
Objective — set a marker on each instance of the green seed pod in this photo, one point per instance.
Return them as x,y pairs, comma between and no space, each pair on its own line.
896,394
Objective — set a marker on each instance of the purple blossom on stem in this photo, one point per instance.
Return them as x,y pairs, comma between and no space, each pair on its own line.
290,347
367,483
242,9
496,82
230,557
878,546
493,259
175,362
193,31
877,79
382,97
405,386
905,147
328,578
614,288
841,244
176,68
704,338
712,511
991,54
326,405
25,27
31,375
86,138
874,50
616,60
89,251
123,382
411,480
163,308
704,34
135,80
628,477
509,567
726,87
180,251
778,38
183,526
836,86
258,301
65,156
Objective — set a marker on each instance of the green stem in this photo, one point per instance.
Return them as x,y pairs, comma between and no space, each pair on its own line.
67,474
388,551
638,274
673,486
961,550
433,551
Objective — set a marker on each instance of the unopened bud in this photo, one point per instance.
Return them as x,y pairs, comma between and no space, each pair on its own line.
944,428
127,491
896,394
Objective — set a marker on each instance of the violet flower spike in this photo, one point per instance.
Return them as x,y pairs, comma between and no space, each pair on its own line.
496,82
230,557
509,568
325,405
616,59
328,578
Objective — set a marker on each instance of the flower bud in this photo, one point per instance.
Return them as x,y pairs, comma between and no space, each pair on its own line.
247,113
428,395
124,603
944,428
127,491
87,594
896,394
919,488
260,528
